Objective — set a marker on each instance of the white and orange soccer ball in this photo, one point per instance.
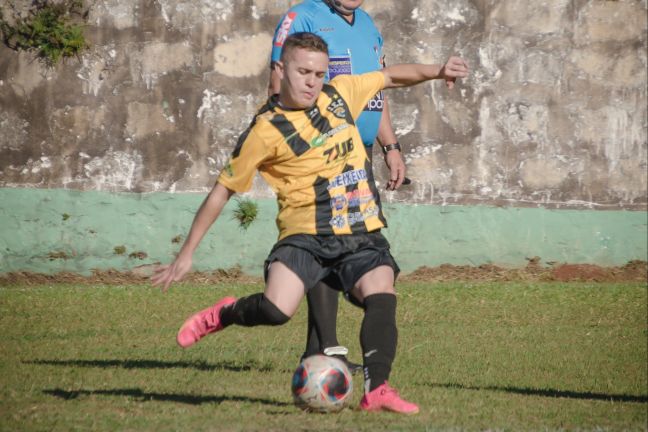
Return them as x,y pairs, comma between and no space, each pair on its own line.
322,383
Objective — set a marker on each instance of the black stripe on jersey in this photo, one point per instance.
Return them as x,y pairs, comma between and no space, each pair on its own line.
318,121
374,190
357,227
323,210
330,91
290,134
237,150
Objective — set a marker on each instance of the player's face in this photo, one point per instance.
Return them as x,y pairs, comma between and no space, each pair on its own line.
302,76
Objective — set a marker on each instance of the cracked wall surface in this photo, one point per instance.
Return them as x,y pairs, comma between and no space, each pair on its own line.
553,115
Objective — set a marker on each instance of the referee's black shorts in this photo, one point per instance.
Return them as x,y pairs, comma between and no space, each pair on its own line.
337,260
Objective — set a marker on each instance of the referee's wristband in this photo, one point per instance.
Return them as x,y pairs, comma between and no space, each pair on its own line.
390,147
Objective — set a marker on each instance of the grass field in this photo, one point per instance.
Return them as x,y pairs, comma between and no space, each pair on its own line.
508,356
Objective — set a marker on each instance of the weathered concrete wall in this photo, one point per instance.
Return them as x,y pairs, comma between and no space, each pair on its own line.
553,115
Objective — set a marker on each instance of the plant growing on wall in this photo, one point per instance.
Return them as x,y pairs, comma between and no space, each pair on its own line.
246,212
52,29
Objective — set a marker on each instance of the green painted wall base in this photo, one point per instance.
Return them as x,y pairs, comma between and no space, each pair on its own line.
49,231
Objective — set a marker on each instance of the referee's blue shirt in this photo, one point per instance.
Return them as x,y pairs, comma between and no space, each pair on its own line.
354,48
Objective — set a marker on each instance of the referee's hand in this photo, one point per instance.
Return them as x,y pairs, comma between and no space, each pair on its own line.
396,165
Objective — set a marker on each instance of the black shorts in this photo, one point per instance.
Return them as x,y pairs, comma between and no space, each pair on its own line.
337,260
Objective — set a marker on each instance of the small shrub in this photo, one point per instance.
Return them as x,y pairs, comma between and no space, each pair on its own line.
119,250
48,30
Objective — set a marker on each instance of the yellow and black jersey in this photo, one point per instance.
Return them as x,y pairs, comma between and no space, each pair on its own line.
314,160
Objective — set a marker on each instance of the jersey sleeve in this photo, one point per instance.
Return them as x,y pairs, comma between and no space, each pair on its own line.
250,153
295,20
357,90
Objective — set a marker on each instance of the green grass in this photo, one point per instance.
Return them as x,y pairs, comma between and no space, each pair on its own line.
474,356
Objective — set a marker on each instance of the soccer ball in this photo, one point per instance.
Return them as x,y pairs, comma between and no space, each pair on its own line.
322,383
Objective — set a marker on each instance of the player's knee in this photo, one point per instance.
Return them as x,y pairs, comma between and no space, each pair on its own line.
367,290
272,314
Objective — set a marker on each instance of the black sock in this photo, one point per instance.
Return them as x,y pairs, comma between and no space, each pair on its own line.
378,338
322,317
252,311
312,339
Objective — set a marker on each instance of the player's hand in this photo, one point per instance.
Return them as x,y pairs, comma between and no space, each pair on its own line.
166,274
396,165
454,68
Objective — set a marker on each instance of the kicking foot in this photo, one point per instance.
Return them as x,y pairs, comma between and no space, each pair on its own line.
385,398
354,368
202,323
340,352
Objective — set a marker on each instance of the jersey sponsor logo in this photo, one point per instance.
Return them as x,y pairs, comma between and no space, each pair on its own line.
347,178
339,150
338,202
320,140
354,198
339,65
340,221
313,113
284,28
337,108
376,103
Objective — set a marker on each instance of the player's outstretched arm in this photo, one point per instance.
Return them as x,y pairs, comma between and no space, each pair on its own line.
207,214
405,75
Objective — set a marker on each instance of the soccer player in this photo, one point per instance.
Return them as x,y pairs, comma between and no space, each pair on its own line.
355,47
305,144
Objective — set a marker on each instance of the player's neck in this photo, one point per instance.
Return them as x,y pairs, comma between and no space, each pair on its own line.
348,18
286,104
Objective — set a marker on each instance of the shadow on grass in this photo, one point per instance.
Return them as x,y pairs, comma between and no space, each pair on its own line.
549,393
161,397
155,364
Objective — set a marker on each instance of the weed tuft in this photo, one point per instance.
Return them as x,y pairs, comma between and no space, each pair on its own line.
138,255
55,255
246,212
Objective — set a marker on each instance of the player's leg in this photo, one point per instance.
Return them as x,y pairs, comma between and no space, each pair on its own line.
378,332
322,329
283,293
379,338
322,315
275,306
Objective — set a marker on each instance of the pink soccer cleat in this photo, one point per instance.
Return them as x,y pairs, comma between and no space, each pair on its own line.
385,398
202,323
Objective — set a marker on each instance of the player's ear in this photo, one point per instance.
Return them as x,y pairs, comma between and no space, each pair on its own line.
279,68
